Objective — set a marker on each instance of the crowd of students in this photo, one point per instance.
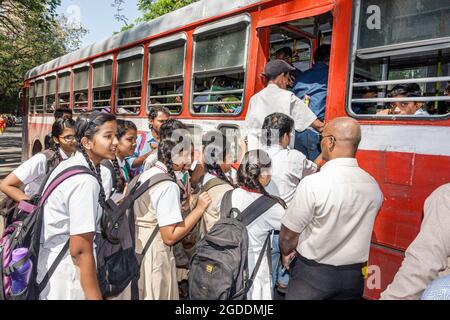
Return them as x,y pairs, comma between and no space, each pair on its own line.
320,226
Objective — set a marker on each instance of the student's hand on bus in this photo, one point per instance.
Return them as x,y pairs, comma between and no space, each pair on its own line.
204,200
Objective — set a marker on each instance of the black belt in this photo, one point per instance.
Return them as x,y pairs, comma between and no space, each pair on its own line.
276,232
354,266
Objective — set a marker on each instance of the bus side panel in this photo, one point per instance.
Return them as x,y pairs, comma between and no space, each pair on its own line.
38,127
383,265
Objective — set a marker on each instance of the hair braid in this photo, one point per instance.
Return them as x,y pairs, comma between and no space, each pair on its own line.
120,180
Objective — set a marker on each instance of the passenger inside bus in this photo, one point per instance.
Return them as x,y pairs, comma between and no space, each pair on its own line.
405,107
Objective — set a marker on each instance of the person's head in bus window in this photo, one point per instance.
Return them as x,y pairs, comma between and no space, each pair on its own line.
156,117
322,54
406,90
278,72
63,112
285,54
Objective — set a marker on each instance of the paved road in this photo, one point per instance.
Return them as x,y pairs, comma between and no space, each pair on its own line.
10,154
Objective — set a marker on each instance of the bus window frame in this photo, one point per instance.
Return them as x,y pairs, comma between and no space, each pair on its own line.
394,49
206,30
49,76
44,84
233,127
166,41
101,61
128,54
32,95
75,69
62,73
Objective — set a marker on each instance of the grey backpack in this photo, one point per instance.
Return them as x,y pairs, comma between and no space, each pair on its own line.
219,267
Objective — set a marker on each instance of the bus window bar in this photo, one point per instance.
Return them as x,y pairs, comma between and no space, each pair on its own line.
219,71
405,99
129,99
213,93
173,77
401,81
217,103
167,96
103,100
126,106
398,52
165,104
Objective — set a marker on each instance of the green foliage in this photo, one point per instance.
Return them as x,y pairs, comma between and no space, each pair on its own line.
31,33
152,9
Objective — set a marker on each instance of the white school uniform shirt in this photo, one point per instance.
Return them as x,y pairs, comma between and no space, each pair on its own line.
73,208
258,231
165,197
289,167
32,172
334,211
274,99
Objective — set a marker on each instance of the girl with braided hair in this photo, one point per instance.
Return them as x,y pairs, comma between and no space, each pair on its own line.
217,163
73,213
119,168
253,176
32,172
161,205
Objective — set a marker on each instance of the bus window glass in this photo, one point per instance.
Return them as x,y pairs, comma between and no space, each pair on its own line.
129,77
219,71
166,68
402,21
80,90
64,90
50,95
406,79
101,86
31,96
39,106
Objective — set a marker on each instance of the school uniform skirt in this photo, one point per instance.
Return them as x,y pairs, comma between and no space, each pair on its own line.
158,280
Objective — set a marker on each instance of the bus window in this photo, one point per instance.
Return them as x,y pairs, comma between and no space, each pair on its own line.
50,94
39,100
31,96
101,85
80,89
403,69
64,89
219,69
165,74
129,81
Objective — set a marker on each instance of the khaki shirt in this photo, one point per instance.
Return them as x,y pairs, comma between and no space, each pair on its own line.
427,258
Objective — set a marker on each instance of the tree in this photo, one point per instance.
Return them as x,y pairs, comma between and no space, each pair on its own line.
31,33
152,9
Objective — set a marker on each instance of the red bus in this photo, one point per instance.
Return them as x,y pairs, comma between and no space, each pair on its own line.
204,62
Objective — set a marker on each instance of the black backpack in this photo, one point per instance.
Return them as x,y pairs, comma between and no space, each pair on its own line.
117,263
219,267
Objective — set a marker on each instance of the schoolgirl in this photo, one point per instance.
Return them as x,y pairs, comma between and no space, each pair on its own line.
73,211
161,206
31,173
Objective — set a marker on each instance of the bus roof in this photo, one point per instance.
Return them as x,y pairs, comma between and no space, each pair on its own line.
196,11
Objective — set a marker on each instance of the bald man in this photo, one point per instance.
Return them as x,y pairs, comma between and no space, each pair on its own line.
326,231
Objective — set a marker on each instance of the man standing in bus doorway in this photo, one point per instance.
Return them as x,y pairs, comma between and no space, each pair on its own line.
147,143
313,84
328,226
276,98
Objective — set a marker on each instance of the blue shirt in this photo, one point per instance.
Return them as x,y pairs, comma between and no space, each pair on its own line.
313,82
438,290
139,153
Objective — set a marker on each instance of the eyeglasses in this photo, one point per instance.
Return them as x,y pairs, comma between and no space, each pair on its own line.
68,138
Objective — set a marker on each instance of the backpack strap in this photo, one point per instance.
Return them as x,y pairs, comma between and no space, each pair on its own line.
257,208
214,182
52,269
140,189
225,204
108,164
